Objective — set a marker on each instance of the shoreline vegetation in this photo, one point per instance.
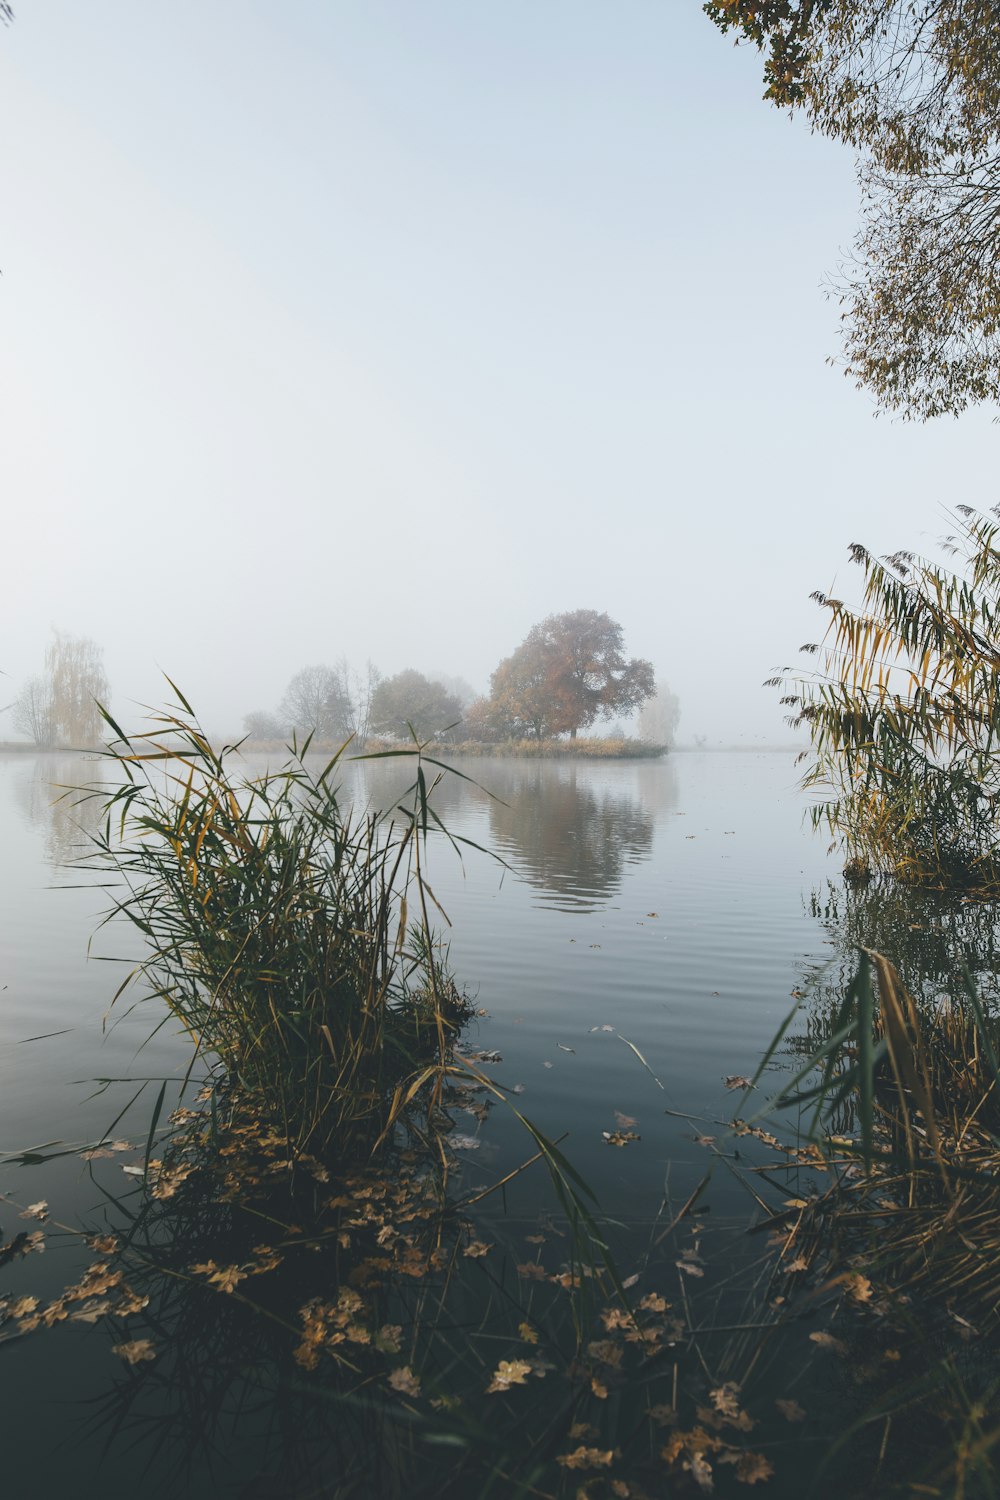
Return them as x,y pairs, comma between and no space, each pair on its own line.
412,1338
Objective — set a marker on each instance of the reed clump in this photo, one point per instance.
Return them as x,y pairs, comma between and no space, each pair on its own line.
901,1242
289,935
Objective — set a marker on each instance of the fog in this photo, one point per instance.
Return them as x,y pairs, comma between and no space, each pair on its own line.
380,332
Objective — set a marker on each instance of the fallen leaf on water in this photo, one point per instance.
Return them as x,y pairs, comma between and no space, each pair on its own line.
725,1399
104,1244
791,1410
701,1469
39,1210
227,1278
624,1122
532,1271
476,1248
527,1333
22,1307
403,1380
704,1140
91,1311
688,1268
586,1458
135,1351
388,1338
859,1287
463,1142
620,1137
753,1468
737,1081
507,1373
798,1264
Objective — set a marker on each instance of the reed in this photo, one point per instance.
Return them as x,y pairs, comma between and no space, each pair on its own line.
289,935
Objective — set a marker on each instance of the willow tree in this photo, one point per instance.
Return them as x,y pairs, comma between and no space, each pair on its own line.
913,86
904,713
74,685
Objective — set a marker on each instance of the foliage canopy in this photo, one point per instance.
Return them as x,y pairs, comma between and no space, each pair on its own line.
569,670
914,87
411,700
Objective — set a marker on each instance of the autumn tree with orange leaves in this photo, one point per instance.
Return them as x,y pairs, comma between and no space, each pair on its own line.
569,670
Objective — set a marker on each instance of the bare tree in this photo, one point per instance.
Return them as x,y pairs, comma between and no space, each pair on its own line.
32,714
317,702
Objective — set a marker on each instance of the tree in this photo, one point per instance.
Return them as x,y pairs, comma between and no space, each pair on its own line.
570,670
659,716
317,702
32,714
61,708
411,699
914,87
263,725
904,714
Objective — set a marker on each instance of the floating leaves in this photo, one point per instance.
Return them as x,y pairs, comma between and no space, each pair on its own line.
403,1380
39,1210
135,1352
507,1373
586,1458
737,1081
620,1137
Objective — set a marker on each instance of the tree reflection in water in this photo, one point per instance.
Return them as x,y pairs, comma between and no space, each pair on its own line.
571,837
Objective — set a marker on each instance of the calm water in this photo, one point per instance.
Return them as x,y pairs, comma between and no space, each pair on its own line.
672,906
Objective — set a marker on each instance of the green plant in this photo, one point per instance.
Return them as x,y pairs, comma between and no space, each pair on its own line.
904,714
290,936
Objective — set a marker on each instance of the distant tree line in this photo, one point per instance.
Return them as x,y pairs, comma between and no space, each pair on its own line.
335,703
568,672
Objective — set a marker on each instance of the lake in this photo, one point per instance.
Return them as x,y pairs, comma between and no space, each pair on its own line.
640,942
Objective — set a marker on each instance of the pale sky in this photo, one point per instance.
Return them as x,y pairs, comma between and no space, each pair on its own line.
386,328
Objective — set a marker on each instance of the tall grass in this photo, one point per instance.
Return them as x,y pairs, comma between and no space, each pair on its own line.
901,1105
289,934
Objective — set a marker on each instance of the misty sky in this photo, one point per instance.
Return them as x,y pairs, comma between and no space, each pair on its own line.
387,327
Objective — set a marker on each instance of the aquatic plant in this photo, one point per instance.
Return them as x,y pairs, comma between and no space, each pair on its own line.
904,714
289,935
900,1105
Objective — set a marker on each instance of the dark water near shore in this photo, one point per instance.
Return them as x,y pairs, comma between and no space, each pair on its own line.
667,909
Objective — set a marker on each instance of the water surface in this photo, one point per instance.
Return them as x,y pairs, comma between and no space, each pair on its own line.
663,909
